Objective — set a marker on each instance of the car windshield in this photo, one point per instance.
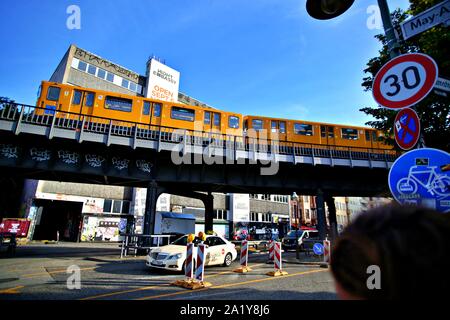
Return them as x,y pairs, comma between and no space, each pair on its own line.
294,233
183,241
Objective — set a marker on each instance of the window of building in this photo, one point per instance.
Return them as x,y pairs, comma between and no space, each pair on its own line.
307,214
117,206
146,109
306,199
125,207
125,83
89,99
92,69
182,114
303,129
139,88
76,99
53,93
257,124
110,77
82,66
266,217
119,104
101,73
349,134
220,214
157,109
107,205
133,86
233,122
207,118
217,119
254,216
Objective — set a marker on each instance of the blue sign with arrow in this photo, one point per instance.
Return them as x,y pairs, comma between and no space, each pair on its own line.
318,248
422,177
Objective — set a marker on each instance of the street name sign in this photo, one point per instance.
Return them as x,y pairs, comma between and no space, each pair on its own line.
405,81
406,128
427,19
422,177
442,84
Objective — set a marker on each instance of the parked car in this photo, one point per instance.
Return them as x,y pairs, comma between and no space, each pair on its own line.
219,251
293,237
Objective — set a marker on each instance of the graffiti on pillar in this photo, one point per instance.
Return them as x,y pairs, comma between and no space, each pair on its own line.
40,154
9,151
94,160
119,163
68,157
144,165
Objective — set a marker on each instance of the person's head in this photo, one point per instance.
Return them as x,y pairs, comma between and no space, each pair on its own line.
410,245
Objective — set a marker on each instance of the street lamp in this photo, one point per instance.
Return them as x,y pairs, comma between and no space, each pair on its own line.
327,9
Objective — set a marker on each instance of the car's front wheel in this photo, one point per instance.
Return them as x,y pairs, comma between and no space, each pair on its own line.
228,260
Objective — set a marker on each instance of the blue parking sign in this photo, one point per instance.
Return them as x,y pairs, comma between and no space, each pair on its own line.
422,177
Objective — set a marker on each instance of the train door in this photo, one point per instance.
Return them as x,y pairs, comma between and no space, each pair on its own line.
369,142
216,121
88,101
156,114
278,127
327,134
75,102
207,123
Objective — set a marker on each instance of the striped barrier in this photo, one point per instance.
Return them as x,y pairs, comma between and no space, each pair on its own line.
244,258
271,245
326,251
277,262
188,269
199,272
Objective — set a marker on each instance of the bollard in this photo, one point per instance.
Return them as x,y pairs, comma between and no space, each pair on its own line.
244,258
188,269
326,251
271,245
277,262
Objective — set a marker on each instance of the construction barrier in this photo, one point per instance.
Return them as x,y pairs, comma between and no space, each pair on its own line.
277,262
271,245
244,258
326,251
190,282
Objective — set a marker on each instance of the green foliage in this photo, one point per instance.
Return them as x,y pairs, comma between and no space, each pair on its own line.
434,110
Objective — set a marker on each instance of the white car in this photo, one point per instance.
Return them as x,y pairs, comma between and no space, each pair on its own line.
219,251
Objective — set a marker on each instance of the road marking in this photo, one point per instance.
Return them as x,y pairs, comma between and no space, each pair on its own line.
14,290
153,286
232,284
32,275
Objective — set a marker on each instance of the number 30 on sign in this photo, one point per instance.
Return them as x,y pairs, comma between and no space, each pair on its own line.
405,80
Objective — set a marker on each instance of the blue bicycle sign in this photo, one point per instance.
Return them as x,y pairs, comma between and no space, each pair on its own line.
422,177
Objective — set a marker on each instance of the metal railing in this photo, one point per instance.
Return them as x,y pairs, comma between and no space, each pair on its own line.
21,114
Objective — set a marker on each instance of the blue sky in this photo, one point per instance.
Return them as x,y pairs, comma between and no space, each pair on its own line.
263,57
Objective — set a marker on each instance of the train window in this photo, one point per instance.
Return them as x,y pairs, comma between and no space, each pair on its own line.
257,124
182,114
207,118
82,66
110,77
303,129
89,100
76,99
53,93
132,86
282,127
146,109
233,122
349,134
157,109
274,126
92,69
323,131
101,73
330,132
125,83
374,136
216,119
118,104
367,135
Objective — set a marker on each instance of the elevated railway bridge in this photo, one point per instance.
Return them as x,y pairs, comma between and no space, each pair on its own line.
64,146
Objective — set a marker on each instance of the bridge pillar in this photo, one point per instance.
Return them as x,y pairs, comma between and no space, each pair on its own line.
321,218
332,216
150,209
209,212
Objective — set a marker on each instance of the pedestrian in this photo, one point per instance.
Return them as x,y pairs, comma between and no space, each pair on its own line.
393,252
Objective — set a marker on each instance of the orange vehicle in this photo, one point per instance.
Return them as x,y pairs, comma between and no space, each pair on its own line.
73,101
314,132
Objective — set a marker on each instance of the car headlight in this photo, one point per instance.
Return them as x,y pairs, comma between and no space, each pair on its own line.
175,256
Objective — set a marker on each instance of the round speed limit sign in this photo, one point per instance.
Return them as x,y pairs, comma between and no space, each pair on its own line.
405,80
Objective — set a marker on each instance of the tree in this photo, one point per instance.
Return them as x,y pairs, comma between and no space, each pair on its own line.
433,111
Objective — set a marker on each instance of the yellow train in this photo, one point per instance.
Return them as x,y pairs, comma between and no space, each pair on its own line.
73,101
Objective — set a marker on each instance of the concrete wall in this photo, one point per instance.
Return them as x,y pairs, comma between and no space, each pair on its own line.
264,206
87,190
58,74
